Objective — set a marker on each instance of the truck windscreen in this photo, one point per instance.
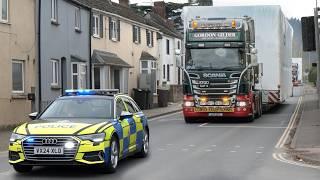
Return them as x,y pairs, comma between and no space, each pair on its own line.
213,59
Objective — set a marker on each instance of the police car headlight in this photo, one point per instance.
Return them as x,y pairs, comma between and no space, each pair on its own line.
94,137
14,137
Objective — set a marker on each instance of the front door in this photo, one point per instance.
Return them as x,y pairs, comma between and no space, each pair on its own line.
116,79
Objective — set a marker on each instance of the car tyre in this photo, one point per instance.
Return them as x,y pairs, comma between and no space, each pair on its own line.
145,145
22,168
113,157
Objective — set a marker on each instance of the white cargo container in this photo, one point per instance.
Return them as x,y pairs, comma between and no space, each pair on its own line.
273,35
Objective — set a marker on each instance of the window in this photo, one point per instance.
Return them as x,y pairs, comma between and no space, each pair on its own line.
168,72
164,71
54,11
78,75
114,29
148,67
149,35
17,76
77,19
131,108
168,46
136,34
178,44
55,72
119,107
96,26
4,10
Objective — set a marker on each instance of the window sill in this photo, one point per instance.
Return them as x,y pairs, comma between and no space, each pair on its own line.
4,22
77,30
96,36
136,42
150,46
54,22
55,87
114,40
18,96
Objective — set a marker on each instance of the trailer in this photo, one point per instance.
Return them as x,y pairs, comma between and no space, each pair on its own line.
273,40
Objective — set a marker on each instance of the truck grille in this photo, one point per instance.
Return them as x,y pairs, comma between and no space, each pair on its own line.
37,141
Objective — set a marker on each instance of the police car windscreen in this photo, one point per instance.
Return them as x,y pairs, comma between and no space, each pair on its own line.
216,58
78,108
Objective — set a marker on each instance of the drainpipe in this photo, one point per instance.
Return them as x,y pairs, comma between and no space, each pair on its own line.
90,50
39,56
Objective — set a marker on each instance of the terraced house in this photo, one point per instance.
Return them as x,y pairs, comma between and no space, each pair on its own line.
17,59
124,48
64,48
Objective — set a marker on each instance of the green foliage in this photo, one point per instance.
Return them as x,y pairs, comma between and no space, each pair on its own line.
313,75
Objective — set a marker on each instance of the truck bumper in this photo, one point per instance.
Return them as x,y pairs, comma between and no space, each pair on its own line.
238,113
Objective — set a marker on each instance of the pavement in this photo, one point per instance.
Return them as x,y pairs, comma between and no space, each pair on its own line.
306,141
160,111
213,150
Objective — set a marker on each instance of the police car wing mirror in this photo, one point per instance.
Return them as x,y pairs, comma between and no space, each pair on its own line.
125,115
33,115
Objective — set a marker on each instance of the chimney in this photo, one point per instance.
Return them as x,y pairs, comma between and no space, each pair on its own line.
124,3
160,9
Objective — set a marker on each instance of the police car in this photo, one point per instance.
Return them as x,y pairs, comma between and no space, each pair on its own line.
82,127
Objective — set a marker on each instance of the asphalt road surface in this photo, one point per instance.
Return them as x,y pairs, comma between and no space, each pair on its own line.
217,150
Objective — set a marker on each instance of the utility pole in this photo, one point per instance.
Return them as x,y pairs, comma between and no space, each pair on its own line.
316,25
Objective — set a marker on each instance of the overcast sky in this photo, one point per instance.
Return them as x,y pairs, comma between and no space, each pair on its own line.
291,8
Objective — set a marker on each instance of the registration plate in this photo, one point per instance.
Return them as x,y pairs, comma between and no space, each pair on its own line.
48,150
215,114
213,109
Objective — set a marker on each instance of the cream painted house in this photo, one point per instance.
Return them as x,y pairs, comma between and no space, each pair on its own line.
124,48
17,59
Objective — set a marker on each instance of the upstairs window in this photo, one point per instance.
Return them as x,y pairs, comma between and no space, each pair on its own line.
168,46
178,44
77,19
168,72
4,10
114,29
136,31
96,26
149,37
54,11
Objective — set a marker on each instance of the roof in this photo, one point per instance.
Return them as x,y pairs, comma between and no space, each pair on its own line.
107,58
146,56
157,21
114,8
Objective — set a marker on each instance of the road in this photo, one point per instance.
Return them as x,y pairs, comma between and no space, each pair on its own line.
224,150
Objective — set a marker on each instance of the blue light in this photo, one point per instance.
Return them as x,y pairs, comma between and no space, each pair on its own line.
30,140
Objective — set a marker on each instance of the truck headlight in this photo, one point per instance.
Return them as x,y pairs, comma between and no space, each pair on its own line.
14,137
188,103
94,137
241,103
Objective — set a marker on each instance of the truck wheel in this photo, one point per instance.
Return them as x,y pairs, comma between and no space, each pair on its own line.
112,159
189,120
22,168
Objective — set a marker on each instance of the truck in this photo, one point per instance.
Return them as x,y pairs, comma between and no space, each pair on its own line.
237,61
296,71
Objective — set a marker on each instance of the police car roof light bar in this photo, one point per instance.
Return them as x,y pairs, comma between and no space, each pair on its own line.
101,92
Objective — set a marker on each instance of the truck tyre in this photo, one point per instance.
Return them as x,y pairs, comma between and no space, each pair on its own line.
22,168
189,120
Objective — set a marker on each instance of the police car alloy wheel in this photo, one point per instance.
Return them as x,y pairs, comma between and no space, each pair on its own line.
114,154
145,145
